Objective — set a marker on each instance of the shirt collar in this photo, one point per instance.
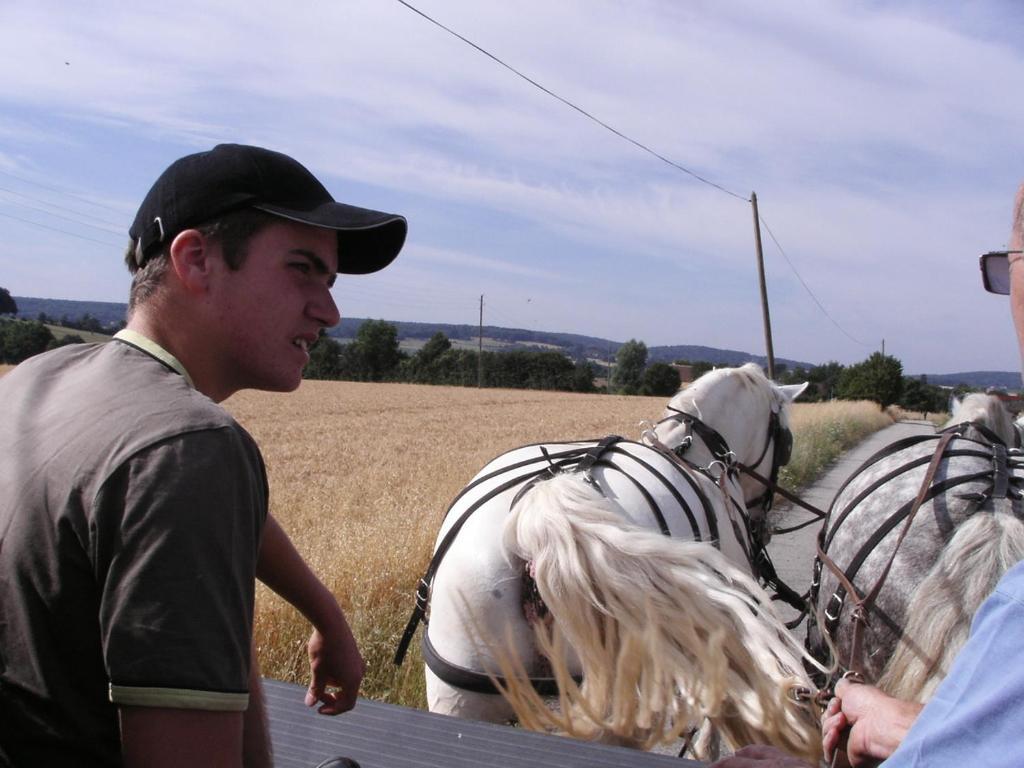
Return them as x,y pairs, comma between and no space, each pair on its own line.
150,347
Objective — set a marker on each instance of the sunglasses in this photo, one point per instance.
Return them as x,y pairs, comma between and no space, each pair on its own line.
995,271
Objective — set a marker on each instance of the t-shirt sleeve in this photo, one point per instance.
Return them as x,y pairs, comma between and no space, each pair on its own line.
175,542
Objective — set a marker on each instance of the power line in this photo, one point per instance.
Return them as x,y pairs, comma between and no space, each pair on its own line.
570,104
56,229
60,216
807,287
119,226
634,142
61,192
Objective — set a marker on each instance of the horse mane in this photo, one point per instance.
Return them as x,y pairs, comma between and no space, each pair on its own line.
983,548
985,409
668,632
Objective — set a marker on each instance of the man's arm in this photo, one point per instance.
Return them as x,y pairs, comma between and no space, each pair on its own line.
156,737
334,657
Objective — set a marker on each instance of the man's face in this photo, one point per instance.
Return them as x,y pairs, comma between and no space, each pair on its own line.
272,308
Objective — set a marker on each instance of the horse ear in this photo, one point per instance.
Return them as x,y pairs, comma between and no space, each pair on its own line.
792,391
954,405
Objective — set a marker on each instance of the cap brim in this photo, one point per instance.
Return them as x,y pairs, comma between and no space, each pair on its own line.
367,240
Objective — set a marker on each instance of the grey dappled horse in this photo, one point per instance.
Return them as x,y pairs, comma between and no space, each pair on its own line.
966,533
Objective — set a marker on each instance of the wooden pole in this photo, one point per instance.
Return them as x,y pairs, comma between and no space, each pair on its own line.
766,316
480,353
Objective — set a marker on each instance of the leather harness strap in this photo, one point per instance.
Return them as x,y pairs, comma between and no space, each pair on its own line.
581,458
479,682
863,605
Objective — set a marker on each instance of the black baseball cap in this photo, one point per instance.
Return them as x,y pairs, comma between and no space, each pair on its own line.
230,177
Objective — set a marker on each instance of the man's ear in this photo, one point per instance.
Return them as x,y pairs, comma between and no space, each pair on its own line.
191,259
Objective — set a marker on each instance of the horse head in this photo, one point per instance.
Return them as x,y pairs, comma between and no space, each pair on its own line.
986,410
745,410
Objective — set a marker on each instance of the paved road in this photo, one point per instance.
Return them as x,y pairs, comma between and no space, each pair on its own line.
793,553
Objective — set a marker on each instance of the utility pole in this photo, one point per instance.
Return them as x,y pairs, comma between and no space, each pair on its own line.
770,353
611,367
883,347
480,353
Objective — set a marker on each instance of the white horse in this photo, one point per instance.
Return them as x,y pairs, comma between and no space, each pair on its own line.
679,616
966,534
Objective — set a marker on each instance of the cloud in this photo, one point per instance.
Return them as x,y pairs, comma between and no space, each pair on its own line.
880,139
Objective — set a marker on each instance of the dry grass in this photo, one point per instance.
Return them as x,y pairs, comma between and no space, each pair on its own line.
898,414
822,431
361,475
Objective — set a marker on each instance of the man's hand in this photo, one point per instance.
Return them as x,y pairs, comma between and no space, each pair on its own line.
760,756
334,663
877,723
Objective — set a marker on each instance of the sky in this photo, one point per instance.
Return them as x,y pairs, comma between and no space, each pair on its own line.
884,141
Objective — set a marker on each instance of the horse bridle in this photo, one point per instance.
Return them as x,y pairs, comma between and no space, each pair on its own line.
777,436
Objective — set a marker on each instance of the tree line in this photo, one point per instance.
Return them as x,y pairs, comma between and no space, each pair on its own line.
374,355
879,378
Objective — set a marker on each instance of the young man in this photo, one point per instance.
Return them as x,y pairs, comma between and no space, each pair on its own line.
975,714
133,512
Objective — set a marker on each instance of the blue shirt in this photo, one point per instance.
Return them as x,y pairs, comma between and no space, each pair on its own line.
976,716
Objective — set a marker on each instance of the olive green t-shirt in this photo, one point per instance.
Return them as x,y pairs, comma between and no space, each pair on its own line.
131,509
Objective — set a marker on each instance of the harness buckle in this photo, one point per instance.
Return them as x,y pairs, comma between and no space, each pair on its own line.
837,609
422,595
816,574
723,469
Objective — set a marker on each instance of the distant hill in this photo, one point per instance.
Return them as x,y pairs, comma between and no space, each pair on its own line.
1008,380
577,346
107,312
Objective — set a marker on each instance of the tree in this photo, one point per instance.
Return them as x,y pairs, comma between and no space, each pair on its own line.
660,379
20,339
583,377
630,362
377,344
424,366
919,395
825,379
324,359
879,378
8,306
